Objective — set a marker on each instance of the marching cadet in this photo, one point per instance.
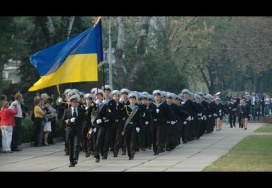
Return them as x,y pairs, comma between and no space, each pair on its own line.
120,114
145,123
88,139
148,119
73,118
140,135
172,139
219,113
124,100
98,121
210,122
200,127
187,105
232,112
195,123
132,123
111,106
81,100
160,114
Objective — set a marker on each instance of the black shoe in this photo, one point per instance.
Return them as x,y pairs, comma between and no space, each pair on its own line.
168,149
97,160
156,153
230,127
17,149
130,158
105,157
87,154
72,165
75,162
123,153
66,153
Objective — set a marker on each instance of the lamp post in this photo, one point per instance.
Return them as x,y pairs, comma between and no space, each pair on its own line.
109,52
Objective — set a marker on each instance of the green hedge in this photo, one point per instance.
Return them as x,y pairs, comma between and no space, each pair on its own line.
28,131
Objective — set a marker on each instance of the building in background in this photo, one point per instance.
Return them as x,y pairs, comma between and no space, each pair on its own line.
11,71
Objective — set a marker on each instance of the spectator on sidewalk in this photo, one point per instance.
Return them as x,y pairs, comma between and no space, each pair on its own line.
16,135
245,111
267,101
7,123
38,122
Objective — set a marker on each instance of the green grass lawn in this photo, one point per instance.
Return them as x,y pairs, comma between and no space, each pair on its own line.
253,153
265,128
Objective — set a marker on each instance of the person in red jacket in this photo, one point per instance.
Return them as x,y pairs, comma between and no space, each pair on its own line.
7,123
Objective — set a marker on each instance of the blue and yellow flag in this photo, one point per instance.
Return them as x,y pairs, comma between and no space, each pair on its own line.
73,60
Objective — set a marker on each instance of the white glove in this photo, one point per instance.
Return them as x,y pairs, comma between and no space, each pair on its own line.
72,120
157,110
144,115
97,102
121,100
229,107
204,117
189,118
86,108
185,122
137,129
98,121
94,130
220,110
214,114
146,123
192,118
173,122
210,115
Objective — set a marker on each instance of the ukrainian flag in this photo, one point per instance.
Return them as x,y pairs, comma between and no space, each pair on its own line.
73,60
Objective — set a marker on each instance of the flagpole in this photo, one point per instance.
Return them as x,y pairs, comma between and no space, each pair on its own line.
110,65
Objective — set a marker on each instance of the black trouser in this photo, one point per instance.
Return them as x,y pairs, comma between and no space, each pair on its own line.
52,133
107,139
240,120
99,139
84,140
171,141
157,128
16,134
188,131
117,129
210,124
130,138
74,139
232,119
145,142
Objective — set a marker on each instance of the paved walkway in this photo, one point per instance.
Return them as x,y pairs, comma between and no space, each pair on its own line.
193,156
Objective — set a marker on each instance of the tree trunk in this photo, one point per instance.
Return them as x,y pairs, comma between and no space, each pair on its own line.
48,28
140,53
119,54
67,25
1,77
259,79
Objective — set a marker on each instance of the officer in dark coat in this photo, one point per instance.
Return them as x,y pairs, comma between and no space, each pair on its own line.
73,118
